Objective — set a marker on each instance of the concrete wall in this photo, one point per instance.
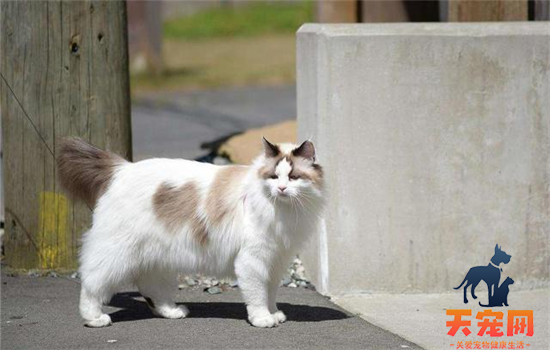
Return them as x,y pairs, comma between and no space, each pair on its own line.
435,141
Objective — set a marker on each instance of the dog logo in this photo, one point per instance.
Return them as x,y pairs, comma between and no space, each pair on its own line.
498,296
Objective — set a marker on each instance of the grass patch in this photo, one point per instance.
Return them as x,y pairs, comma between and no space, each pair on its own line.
253,19
223,62
242,45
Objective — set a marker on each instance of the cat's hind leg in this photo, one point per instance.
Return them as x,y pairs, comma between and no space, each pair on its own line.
157,288
90,308
100,276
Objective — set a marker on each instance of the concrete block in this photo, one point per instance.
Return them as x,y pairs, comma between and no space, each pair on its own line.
435,141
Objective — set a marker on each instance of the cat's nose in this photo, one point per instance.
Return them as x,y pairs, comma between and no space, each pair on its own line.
282,188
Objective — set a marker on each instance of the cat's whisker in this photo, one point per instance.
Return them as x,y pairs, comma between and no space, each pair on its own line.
303,206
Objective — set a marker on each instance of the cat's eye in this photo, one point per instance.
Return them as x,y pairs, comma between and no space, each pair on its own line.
274,177
293,177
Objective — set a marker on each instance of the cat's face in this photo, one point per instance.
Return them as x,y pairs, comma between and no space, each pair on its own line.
290,174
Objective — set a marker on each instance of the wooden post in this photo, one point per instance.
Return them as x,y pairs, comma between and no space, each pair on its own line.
64,71
542,10
337,11
383,11
487,10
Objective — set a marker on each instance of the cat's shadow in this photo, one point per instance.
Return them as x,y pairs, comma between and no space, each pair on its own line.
134,310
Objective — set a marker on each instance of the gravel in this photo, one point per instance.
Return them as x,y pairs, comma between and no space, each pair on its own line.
294,278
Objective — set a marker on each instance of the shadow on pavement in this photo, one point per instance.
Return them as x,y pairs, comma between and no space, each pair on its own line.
134,310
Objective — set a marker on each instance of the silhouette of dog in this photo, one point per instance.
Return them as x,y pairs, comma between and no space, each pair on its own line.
500,297
490,274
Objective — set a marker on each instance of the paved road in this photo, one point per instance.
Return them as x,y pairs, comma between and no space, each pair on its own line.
41,313
176,124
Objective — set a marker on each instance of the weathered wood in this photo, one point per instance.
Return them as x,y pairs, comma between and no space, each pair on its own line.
145,36
487,10
64,71
337,11
542,10
399,11
383,11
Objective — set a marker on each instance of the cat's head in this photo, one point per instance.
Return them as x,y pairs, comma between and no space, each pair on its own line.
289,172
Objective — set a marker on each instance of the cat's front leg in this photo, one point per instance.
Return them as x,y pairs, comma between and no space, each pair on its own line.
273,288
253,278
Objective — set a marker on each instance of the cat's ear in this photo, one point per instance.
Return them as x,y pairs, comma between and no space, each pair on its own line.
306,150
270,149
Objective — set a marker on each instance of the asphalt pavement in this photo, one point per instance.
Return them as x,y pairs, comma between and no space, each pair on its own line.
42,313
176,124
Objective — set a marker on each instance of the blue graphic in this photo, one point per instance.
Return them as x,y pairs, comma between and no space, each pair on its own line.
498,296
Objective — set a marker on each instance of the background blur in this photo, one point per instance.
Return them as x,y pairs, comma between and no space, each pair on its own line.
204,70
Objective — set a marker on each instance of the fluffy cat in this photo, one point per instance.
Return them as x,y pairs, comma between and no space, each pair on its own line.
159,217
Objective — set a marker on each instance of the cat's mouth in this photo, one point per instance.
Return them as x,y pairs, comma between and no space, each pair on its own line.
283,196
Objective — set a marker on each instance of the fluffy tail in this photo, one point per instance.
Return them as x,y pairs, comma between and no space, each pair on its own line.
461,283
85,170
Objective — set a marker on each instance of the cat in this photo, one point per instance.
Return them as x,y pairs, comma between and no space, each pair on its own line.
490,274
159,217
500,298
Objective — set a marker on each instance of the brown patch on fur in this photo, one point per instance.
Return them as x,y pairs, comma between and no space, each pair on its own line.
85,171
306,150
270,149
219,203
317,175
176,206
301,168
313,173
268,170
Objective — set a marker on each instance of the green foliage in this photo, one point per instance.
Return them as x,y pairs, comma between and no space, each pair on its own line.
253,19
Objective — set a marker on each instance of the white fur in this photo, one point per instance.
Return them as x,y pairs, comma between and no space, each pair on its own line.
129,244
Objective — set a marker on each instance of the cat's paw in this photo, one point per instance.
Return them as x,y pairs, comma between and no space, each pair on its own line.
171,312
103,321
279,316
266,321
